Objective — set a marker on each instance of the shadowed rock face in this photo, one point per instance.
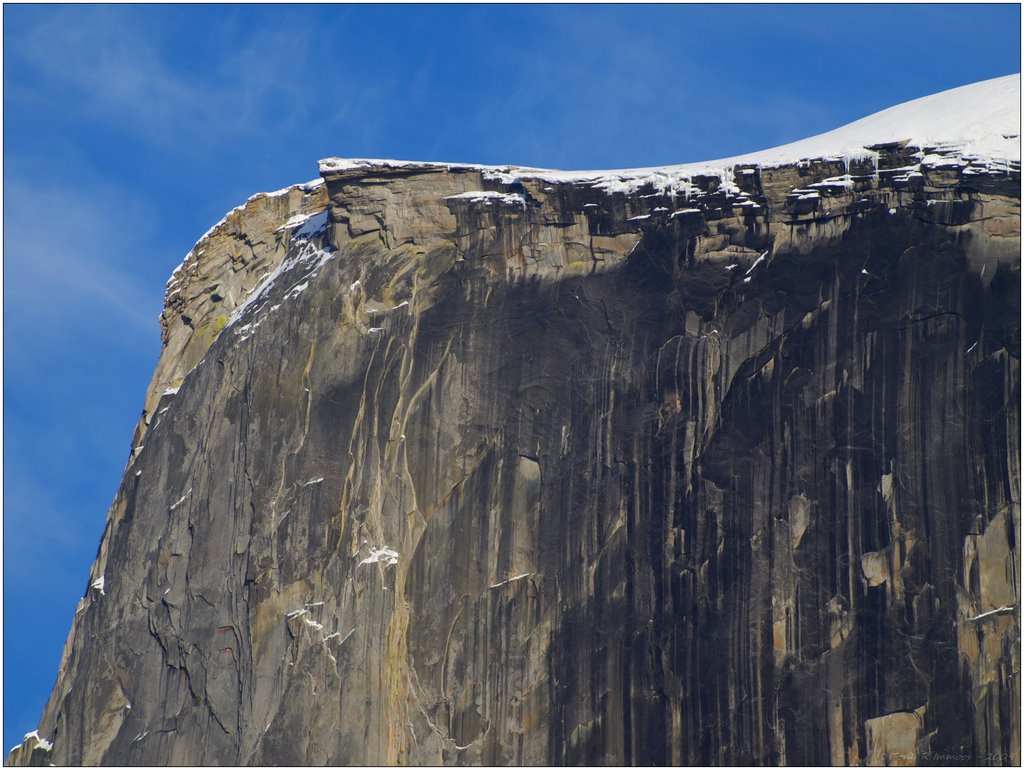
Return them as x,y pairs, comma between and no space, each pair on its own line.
513,471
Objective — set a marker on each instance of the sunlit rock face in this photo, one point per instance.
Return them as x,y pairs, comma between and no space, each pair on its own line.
504,467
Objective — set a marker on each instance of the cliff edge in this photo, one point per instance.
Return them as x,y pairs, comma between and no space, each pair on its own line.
704,464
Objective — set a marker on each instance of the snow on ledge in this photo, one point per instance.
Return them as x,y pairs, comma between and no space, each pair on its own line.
42,742
975,126
340,165
382,554
306,225
487,197
510,580
997,611
979,122
309,259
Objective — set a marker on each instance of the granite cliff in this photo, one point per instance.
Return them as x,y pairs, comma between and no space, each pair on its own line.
709,464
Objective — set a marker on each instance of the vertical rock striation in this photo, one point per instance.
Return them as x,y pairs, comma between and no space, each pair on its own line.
459,465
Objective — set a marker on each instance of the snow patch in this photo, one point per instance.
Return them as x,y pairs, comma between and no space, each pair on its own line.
295,221
337,165
382,554
489,197
98,584
757,262
844,180
934,160
42,742
510,580
996,611
315,225
306,187
309,258
184,497
306,225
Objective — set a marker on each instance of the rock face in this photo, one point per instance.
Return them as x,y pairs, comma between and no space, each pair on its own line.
453,464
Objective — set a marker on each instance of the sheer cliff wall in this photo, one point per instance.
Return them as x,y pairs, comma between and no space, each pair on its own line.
443,464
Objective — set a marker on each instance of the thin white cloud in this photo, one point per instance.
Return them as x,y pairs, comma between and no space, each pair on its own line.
57,283
110,66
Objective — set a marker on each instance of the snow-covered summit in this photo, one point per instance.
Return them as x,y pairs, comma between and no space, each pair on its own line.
981,121
978,122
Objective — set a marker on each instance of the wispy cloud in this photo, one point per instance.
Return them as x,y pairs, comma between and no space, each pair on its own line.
57,282
74,311
112,67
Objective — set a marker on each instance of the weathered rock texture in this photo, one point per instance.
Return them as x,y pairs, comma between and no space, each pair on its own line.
217,275
505,470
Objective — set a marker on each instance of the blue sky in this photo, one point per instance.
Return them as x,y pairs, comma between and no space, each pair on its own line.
129,130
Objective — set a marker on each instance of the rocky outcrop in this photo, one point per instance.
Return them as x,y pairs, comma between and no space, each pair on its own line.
224,268
33,751
493,465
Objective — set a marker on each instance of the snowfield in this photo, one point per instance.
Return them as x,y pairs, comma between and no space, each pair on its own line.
978,122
